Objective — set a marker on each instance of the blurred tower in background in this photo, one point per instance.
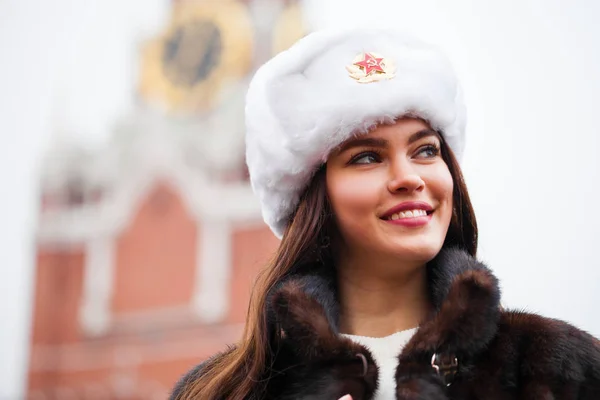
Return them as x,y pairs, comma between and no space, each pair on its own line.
147,248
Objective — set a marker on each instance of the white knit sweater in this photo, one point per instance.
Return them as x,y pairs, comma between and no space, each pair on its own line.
385,350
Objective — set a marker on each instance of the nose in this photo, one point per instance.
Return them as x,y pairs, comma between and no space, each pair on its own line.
404,178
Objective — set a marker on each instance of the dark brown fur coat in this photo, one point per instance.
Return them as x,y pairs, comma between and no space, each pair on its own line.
482,351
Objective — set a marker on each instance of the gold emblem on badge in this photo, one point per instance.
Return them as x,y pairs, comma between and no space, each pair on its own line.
371,67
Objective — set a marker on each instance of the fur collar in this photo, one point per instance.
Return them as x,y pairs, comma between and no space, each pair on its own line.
304,313
501,354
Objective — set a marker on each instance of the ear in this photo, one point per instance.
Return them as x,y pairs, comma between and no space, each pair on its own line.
301,319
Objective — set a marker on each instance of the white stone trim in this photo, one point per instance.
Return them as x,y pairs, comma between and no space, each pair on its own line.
94,311
210,299
181,344
232,202
149,147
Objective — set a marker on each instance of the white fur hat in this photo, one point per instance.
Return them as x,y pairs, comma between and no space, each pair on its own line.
308,100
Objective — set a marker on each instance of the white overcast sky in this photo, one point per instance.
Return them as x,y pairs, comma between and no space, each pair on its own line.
530,71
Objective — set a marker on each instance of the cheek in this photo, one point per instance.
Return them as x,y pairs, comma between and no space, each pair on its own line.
442,187
353,196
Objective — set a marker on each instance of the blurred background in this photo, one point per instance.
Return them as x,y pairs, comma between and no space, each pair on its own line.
130,236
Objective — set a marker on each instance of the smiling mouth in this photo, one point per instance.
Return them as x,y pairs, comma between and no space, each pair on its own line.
408,214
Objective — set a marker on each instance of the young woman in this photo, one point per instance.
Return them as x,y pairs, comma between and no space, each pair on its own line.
352,142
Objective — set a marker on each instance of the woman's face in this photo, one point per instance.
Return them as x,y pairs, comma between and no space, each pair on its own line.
391,192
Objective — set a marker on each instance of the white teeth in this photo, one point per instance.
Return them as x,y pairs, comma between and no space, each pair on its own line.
408,214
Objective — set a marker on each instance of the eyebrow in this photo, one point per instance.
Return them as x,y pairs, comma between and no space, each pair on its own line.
380,142
423,133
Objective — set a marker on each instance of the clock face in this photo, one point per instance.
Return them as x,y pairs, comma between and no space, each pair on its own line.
207,46
192,52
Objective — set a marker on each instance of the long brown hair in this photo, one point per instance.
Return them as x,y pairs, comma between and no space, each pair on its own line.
242,371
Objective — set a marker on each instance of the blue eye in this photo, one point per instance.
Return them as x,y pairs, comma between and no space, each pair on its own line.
429,151
367,157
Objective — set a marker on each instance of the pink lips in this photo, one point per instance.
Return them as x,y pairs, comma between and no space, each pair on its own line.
413,221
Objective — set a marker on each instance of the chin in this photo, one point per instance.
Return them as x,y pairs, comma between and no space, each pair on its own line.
421,250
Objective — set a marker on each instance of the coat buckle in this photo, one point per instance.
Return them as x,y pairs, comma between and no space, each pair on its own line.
365,364
446,366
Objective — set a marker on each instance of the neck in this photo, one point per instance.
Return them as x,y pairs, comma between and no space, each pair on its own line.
379,304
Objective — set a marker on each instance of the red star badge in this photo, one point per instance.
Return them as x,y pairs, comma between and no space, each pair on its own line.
370,64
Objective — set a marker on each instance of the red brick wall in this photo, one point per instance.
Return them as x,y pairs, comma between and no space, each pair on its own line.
252,250
155,266
58,291
149,364
156,255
